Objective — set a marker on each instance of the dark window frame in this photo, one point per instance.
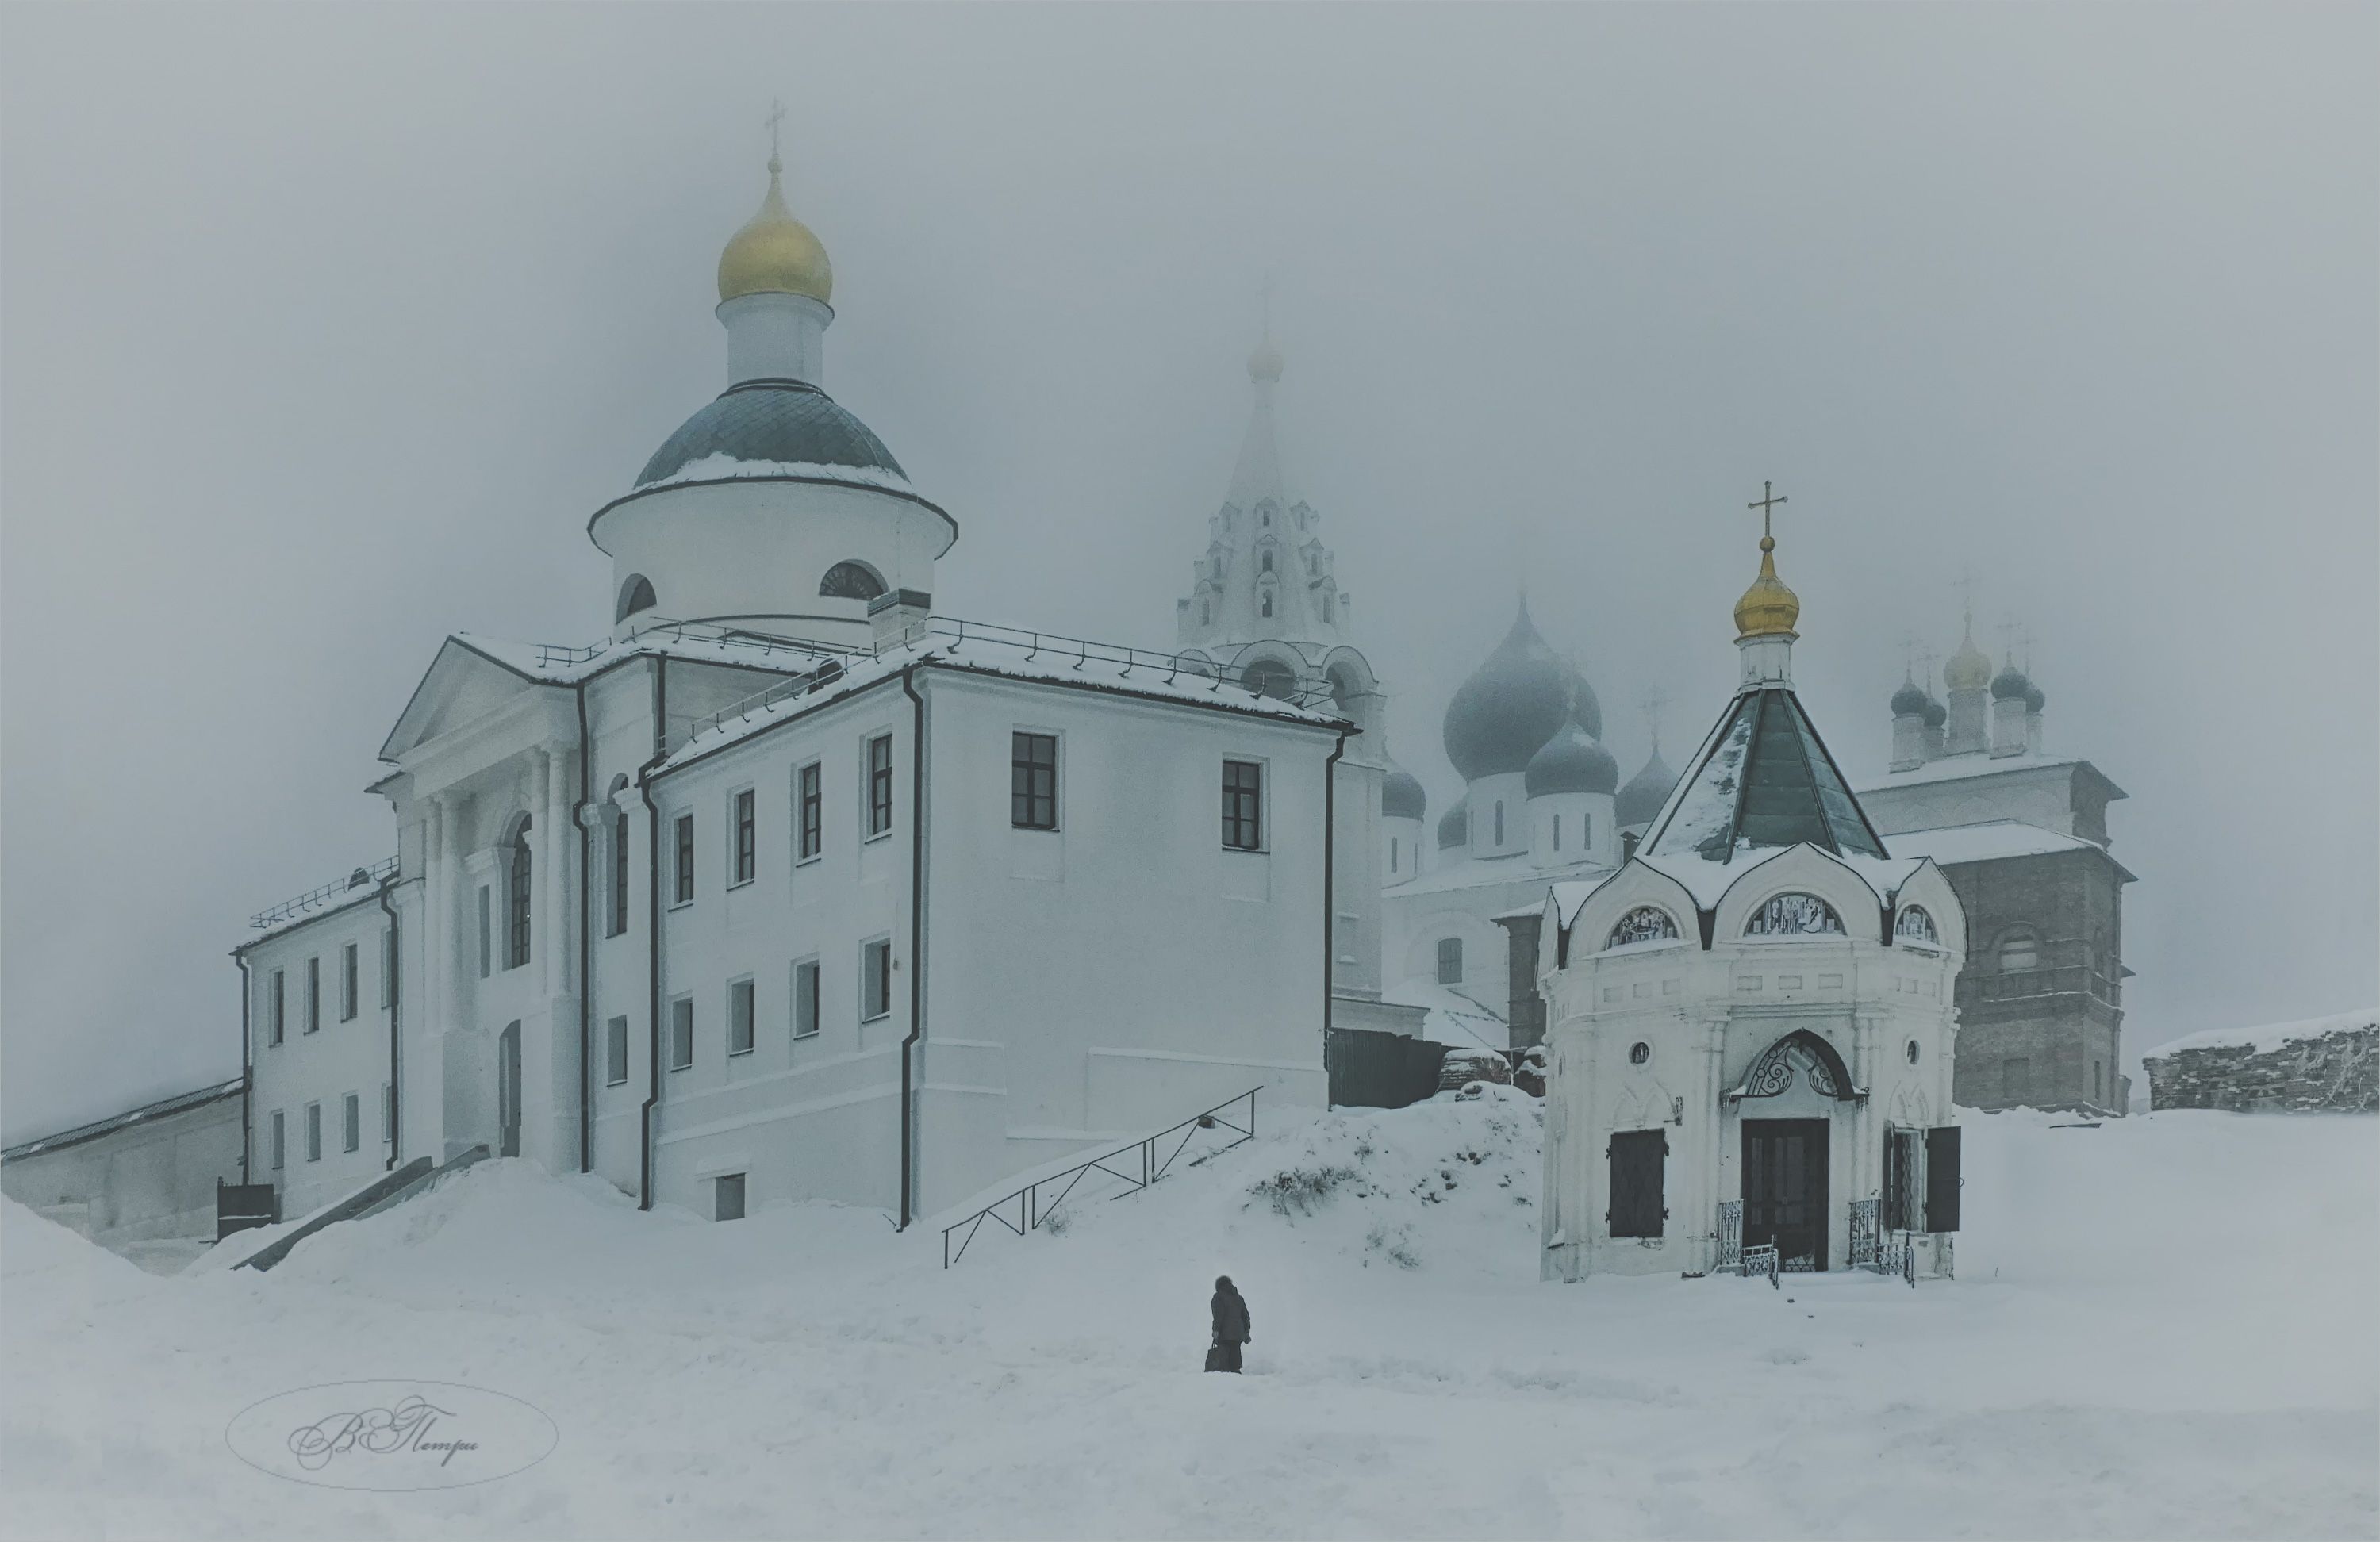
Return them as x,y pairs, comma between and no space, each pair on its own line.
280,1141
616,923
1639,1183
615,1052
1243,806
876,979
878,765
681,1010
742,1008
351,967
681,843
807,984
352,1116
743,822
280,1014
1032,779
314,993
314,1132
1450,952
520,883
809,811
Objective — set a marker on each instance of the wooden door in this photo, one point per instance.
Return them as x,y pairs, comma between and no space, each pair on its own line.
1785,1188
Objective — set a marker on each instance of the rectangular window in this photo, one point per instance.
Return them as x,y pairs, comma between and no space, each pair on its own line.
313,1132
1243,805
615,1051
1586,831
682,1033
727,1196
1500,824
1637,1183
617,921
487,932
879,785
1392,854
2094,1081
739,1017
350,965
279,1007
747,823
314,994
387,967
805,998
387,1113
1556,832
1450,961
280,1141
354,1131
809,796
1033,780
875,979
685,828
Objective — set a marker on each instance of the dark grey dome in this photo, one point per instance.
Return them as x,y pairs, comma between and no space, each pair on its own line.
1515,701
2034,699
1909,701
1644,794
1401,796
1936,713
1454,825
772,421
1570,762
2010,683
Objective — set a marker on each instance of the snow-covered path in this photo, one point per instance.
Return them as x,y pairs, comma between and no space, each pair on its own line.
2162,1327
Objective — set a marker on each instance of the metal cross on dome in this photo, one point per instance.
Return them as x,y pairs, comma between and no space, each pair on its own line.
1769,499
776,116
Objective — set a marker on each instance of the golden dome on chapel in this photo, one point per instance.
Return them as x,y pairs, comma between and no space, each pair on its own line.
1968,670
775,253
1767,607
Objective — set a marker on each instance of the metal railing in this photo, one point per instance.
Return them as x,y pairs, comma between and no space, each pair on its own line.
316,899
1031,1211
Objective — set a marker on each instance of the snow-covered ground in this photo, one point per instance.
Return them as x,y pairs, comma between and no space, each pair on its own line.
2162,1327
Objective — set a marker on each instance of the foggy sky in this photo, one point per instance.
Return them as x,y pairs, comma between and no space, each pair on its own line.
324,331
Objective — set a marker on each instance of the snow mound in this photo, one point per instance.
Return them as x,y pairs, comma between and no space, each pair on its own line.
32,1245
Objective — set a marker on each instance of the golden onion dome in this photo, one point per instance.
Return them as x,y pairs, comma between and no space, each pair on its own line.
1767,607
775,253
1968,670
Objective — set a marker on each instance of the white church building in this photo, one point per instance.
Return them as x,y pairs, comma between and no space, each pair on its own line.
1751,1023
787,888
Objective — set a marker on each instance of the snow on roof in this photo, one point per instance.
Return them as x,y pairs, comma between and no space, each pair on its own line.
358,886
719,466
97,1127
1472,872
1958,768
1454,1018
1708,881
2269,1037
975,649
1983,842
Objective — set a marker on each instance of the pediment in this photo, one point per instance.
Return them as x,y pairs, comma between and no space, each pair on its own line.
462,686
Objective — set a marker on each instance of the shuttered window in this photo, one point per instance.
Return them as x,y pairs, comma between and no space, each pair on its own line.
1942,1179
1899,1207
1638,1158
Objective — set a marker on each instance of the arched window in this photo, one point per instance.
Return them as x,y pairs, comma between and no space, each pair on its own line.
517,893
1268,604
636,595
1646,923
1206,613
1268,563
2020,950
1917,926
1269,678
1794,916
851,580
1325,607
1450,961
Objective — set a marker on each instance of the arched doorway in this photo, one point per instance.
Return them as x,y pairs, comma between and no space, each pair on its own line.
1785,1105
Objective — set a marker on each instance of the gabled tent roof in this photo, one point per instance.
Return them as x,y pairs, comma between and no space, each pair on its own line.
1762,780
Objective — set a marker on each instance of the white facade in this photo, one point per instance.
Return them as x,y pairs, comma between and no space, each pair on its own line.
783,891
1705,1014
144,1176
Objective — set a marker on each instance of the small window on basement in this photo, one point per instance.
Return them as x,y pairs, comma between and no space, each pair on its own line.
851,580
1450,961
636,595
727,1196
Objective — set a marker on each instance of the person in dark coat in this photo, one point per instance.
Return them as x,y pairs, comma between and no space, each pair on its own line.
1231,1311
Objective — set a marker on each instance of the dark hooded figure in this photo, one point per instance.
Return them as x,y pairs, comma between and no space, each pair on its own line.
1230,1326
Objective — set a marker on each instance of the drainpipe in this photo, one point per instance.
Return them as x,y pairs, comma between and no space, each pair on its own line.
916,939
247,1061
395,1010
1330,871
652,931
586,867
